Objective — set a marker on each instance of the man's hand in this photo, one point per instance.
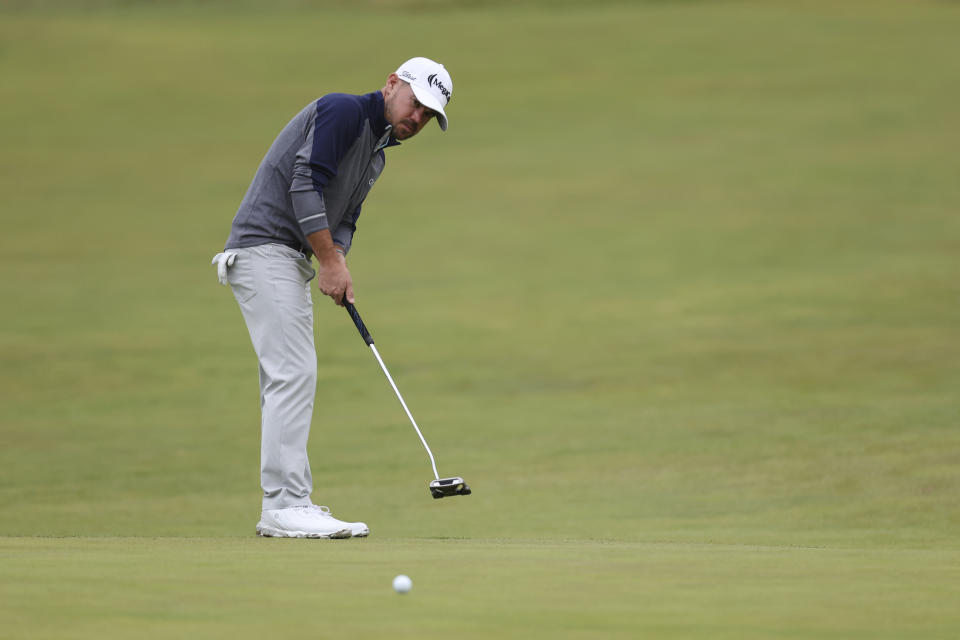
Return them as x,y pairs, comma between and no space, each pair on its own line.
333,277
334,280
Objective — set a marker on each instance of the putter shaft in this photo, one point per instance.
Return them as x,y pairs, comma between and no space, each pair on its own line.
409,415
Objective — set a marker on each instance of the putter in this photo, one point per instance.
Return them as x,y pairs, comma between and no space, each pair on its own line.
439,487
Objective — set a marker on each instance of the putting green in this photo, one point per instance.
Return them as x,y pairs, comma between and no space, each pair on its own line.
248,587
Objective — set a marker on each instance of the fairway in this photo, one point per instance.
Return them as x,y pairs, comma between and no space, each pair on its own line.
677,293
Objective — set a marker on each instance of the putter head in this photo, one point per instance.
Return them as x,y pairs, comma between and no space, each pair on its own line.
449,487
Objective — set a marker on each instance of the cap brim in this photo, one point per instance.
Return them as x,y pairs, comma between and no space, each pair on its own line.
426,99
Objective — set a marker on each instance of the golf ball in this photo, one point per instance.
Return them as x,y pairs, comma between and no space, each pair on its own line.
402,584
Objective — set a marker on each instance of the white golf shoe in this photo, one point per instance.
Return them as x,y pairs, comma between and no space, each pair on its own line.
307,521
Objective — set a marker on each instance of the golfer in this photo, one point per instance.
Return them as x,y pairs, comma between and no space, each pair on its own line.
304,202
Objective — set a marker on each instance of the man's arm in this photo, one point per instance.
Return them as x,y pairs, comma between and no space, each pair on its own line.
333,277
343,234
335,125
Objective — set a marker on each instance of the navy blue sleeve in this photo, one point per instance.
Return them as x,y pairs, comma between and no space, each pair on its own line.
336,125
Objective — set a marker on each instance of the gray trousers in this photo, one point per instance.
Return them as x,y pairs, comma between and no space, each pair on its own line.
271,284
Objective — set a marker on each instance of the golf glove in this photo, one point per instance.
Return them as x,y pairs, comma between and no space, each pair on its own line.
224,261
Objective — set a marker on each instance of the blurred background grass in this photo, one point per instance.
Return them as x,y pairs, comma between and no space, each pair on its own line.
667,257
678,272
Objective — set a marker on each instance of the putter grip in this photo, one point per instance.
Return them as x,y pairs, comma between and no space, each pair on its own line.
362,328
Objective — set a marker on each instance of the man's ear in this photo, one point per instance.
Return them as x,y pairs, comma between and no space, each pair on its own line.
392,81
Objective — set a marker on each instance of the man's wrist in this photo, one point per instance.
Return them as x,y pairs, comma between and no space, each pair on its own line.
340,250
324,248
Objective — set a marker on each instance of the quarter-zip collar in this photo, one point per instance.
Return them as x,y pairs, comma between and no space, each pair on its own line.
378,121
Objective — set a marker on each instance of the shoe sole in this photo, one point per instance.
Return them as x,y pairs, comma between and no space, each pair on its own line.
271,532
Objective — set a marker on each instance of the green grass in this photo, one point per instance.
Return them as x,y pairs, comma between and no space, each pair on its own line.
677,293
227,588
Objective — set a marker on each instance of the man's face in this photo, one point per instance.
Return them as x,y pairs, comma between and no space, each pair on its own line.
403,110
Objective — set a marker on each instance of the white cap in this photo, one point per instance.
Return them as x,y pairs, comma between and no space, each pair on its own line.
430,83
